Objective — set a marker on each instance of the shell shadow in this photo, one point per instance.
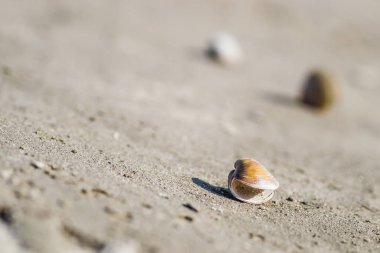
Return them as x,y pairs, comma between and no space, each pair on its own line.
217,190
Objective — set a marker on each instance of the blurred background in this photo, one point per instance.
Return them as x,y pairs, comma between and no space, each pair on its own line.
113,117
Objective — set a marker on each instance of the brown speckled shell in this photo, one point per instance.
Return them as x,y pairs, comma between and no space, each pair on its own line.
319,90
251,182
252,173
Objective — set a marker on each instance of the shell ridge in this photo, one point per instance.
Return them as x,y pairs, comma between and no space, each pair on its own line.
251,182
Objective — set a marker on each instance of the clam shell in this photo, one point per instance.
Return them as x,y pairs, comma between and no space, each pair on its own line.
225,49
319,90
251,182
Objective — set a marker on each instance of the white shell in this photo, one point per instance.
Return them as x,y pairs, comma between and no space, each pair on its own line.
225,49
251,182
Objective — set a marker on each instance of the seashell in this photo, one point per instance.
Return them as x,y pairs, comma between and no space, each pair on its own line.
319,90
225,49
251,182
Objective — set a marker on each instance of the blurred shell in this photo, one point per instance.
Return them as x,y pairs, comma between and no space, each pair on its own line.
225,49
251,182
319,90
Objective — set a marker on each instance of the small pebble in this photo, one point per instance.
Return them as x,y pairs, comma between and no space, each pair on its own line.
190,207
187,218
256,236
290,199
319,90
225,49
37,164
55,167
163,195
99,191
146,205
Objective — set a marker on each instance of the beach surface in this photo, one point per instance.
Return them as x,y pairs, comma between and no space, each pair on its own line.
117,133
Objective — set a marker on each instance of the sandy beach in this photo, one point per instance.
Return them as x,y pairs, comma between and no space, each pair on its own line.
117,133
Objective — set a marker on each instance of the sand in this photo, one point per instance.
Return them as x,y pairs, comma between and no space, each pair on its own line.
117,134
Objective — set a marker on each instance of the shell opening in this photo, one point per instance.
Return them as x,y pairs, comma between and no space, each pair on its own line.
246,193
